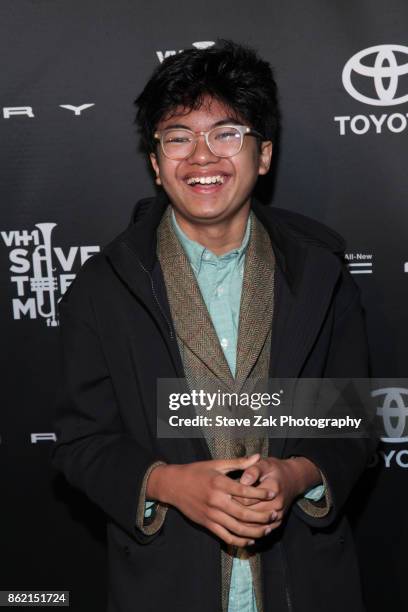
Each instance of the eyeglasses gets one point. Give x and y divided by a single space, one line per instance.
223 141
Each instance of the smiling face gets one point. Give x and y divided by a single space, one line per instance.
205 189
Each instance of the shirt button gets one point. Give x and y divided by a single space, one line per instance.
220 290
224 343
207 256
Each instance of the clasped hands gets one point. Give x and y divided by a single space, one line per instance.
237 511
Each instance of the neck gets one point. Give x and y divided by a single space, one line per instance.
220 236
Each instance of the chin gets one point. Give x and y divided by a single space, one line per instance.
197 207
205 213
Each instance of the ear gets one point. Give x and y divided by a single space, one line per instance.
156 168
265 157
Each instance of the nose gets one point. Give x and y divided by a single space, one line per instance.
202 154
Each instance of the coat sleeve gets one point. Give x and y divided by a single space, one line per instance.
157 514
340 460
93 450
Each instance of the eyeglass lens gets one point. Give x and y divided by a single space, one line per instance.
224 142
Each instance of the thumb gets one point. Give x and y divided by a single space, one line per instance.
240 463
250 475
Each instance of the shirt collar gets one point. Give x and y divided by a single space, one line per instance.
197 253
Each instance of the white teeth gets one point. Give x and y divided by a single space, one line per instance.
205 180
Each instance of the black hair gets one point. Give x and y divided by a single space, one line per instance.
233 74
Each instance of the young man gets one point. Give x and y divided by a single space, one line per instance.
207 282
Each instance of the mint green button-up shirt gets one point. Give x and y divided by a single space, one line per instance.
219 278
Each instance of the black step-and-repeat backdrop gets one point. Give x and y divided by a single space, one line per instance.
71 172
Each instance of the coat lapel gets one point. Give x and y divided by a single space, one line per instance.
194 325
256 309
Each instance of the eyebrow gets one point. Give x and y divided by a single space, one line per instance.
182 126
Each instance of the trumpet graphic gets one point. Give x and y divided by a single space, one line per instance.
43 283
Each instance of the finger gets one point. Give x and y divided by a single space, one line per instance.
230 538
245 502
251 475
239 528
264 508
245 514
275 508
277 523
267 475
237 489
269 482
240 463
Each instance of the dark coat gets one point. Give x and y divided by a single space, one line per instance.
118 338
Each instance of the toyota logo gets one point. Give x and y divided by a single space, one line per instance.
380 64
393 412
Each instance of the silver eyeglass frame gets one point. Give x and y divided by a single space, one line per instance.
244 130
